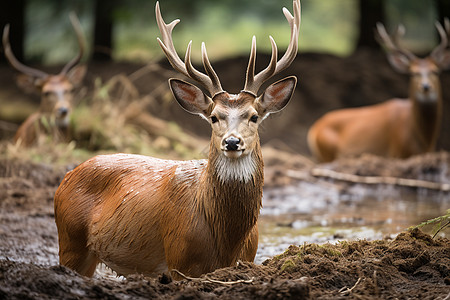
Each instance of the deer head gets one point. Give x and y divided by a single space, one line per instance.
425 86
56 90
234 118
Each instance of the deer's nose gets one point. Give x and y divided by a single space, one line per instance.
63 111
426 87
232 143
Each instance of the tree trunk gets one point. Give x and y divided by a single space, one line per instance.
443 9
103 26
370 12
13 13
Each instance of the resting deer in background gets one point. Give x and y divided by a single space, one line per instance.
397 128
56 91
139 214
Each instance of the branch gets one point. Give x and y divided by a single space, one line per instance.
316 172
210 280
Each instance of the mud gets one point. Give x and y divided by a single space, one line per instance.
410 266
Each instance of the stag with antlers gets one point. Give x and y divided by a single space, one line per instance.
56 92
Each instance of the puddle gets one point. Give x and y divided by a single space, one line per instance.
321 212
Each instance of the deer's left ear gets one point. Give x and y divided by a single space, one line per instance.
77 74
276 96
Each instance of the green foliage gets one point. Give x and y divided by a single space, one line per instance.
437 224
225 26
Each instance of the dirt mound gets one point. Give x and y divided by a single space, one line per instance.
413 266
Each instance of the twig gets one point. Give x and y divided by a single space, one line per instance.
345 290
380 180
230 282
434 235
186 277
210 280
375 283
447 298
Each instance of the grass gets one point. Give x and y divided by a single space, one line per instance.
108 121
434 225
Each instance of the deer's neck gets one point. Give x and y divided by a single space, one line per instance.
232 196
427 115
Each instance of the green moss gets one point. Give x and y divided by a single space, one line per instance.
288 266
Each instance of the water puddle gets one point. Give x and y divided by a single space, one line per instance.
323 212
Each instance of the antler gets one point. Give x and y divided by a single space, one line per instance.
210 81
393 44
13 60
81 43
439 51
38 73
253 82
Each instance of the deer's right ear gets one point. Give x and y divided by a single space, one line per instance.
399 61
190 97
76 75
29 84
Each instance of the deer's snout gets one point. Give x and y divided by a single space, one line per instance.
232 143
62 112
426 87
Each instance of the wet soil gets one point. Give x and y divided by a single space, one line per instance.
410 266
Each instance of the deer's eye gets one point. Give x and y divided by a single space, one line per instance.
214 119
69 91
254 118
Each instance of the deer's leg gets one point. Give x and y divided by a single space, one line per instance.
74 253
248 252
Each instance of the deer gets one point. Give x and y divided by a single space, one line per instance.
141 214
56 93
397 128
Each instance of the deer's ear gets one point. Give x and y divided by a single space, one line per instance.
29 84
77 74
190 97
276 96
399 61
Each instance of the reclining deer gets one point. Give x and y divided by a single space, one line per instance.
140 214
397 128
56 91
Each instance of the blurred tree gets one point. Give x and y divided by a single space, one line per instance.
103 26
370 12
443 8
13 13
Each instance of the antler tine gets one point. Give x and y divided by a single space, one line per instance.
383 38
210 81
438 52
392 44
398 35
253 82
447 25
13 60
81 43
291 52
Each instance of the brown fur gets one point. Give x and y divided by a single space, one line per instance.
57 92
397 128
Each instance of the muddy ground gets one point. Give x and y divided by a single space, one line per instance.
411 265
